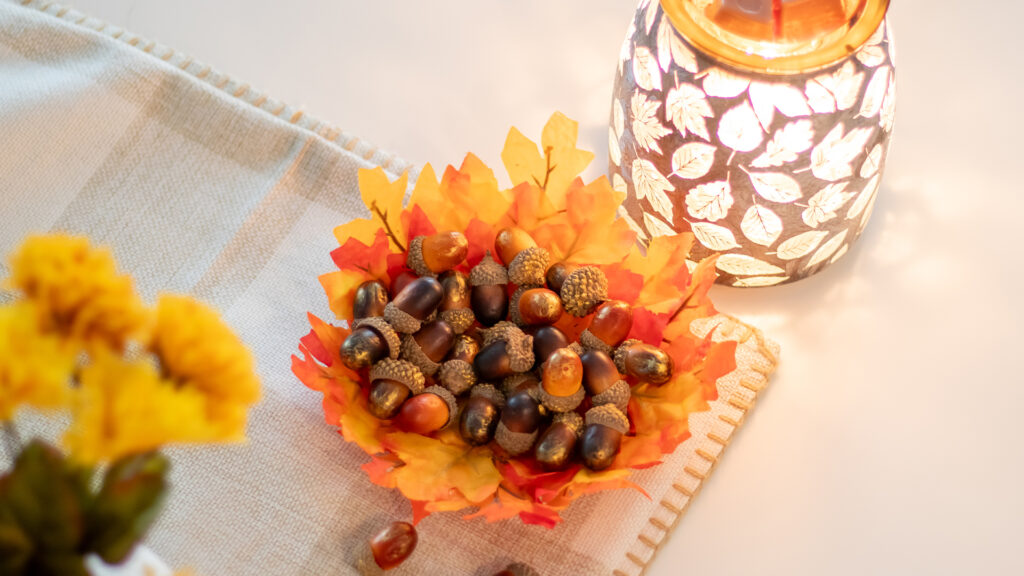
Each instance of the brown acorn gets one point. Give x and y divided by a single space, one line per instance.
493 361
480 415
520 421
539 306
610 326
489 296
414 304
391 382
546 340
519 347
599 371
428 346
583 290
430 255
370 299
392 546
556 447
557 274
401 280
455 305
644 362
371 340
602 436
527 262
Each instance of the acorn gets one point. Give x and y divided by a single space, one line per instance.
401 280
518 347
388 548
457 373
556 446
520 422
538 306
603 381
488 296
583 290
370 299
557 273
455 305
371 340
391 382
480 414
432 255
428 411
644 362
513 305
561 384
602 437
465 348
428 346
524 381
609 327
546 340
414 304
527 262
518 569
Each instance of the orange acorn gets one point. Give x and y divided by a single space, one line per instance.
431 255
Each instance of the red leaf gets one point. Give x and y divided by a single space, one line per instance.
623 284
647 326
312 343
417 223
546 518
419 511
481 239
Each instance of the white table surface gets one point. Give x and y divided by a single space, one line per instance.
888 442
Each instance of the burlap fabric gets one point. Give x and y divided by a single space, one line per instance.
201 184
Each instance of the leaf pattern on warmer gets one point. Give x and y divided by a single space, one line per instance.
872 54
650 14
759 281
800 245
827 249
719 83
693 160
839 90
786 145
618 118
761 226
742 265
823 205
710 201
714 237
831 159
656 227
614 151
872 162
888 114
864 198
842 252
871 105
645 69
619 184
776 186
739 128
688 109
767 97
652 185
640 233
647 129
671 48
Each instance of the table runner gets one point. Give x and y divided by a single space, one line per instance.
202 184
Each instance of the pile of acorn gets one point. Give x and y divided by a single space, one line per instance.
441 348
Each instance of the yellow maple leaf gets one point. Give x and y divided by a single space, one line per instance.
384 200
555 165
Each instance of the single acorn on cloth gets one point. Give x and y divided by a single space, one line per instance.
609 327
455 305
428 346
527 263
388 549
557 444
520 422
480 414
414 304
372 339
432 255
391 382
428 411
602 437
561 383
489 296
370 299
644 362
583 290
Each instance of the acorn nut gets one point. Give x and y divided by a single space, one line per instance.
599 371
539 306
527 262
430 255
455 305
493 361
488 296
561 388
370 299
414 304
427 412
610 326
372 339
390 547
546 340
602 436
520 421
401 280
644 362
556 446
428 346
479 420
557 274
583 290
391 382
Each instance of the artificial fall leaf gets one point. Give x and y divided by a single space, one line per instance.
340 287
551 168
371 259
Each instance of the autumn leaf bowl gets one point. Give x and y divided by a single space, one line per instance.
576 223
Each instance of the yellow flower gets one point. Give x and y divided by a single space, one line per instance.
78 291
34 366
124 407
198 351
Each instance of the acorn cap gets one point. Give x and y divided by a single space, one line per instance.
490 392
571 419
518 344
617 395
460 319
520 569
620 354
591 342
509 384
400 320
583 290
415 258
577 348
449 399
412 352
608 415
488 272
400 371
515 443
384 329
560 403
529 266
457 376
503 331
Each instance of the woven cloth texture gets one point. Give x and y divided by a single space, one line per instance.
203 185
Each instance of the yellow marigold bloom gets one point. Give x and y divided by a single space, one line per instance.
124 407
78 291
34 367
198 351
